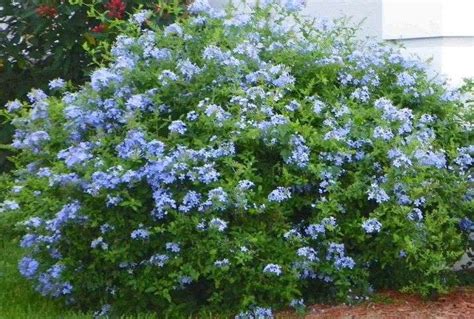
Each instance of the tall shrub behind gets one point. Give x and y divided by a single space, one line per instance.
41 40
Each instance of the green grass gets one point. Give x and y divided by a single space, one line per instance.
17 297
18 300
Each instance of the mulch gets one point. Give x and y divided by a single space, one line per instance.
393 305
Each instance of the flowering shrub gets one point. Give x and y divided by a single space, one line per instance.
255 159
45 39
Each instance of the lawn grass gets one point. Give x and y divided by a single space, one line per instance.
17 298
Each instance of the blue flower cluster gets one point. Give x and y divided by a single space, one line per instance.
372 226
201 152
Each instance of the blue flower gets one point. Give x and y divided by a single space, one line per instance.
178 127
430 158
185 280
256 313
294 5
141 16
133 145
188 69
99 242
199 6
29 240
190 200
285 79
378 194
167 76
309 253
192 116
28 267
335 250
279 194
174 29
406 79
13 106
140 234
337 133
329 222
318 105
32 141
300 154
113 201
222 263
158 260
39 110
36 95
371 226
464 158
105 228
9 205
218 198
273 269
103 78
361 94
75 155
467 225
173 247
382 133
68 213
239 19
154 149
314 230
344 262
293 106
244 185
213 53
207 173
218 224
398 158
416 215
138 102
163 202
49 283
159 54
103 312
57 84
297 303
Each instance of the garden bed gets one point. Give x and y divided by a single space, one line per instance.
391 304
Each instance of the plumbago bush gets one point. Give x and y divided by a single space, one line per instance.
251 158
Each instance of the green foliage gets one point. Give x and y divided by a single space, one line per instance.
245 160
47 39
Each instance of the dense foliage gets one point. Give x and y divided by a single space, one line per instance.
41 40
254 159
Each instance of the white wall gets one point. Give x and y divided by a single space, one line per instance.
367 12
439 29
